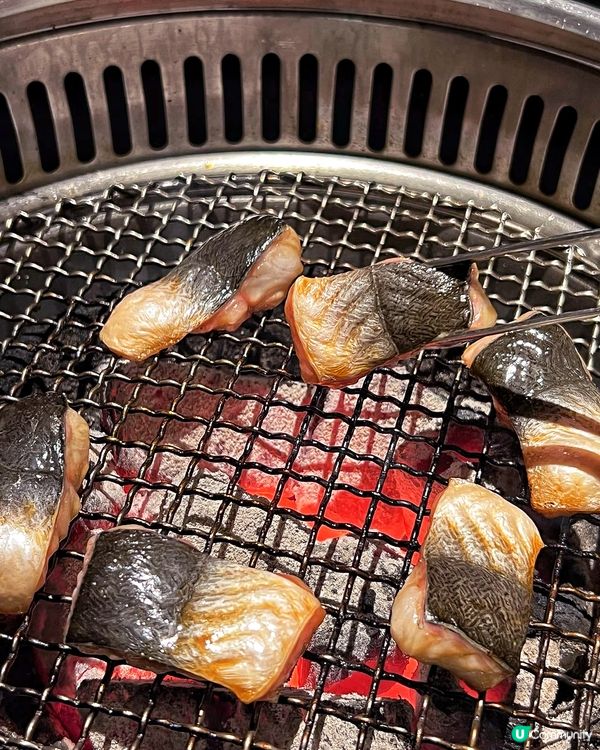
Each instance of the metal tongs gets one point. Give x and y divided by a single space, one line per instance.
469 335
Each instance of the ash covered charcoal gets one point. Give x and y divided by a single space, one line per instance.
525 679
276 725
106 496
157 415
242 517
251 517
171 703
224 445
585 533
375 420
584 572
450 715
109 496
572 614
564 654
352 642
331 732
282 726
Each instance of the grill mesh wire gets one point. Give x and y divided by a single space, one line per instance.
62 269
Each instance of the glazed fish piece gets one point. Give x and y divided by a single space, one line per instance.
241 270
163 605
45 455
346 325
541 386
466 605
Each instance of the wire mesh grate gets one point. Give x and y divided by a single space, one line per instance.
218 440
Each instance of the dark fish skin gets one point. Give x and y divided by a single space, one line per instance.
212 272
539 374
469 598
123 565
418 303
32 460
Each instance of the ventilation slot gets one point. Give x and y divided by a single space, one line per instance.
557 148
80 117
195 100
43 125
525 140
271 97
154 97
588 174
116 103
342 103
418 103
308 94
231 72
490 127
453 119
9 145
381 93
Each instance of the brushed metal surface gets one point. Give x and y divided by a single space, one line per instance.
170 39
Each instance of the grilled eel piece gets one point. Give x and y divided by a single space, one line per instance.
346 325
466 604
243 269
44 460
542 388
163 605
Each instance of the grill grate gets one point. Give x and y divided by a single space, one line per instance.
347 476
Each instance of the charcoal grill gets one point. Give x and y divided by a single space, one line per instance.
383 130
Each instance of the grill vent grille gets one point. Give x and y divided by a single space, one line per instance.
9 147
271 97
80 115
342 106
116 102
557 148
490 128
417 112
232 98
453 119
366 88
383 77
43 124
590 166
155 104
195 100
308 100
525 141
